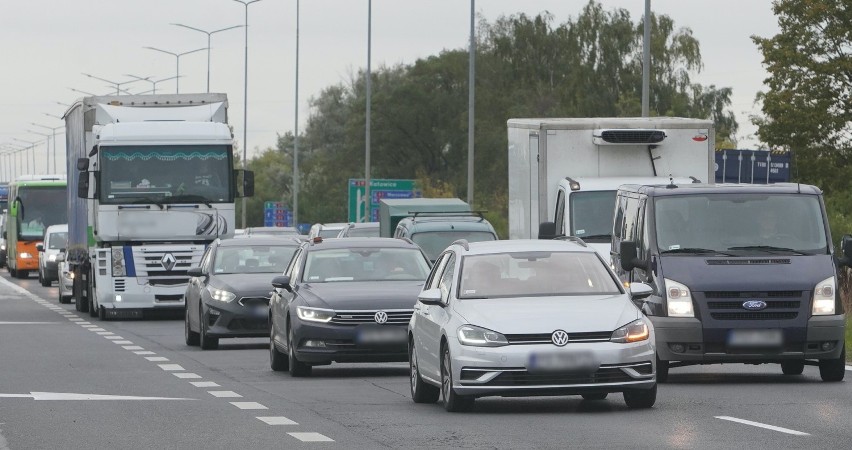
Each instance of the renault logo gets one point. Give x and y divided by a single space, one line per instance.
559 338
381 317
168 262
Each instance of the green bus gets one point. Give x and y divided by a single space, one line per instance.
35 203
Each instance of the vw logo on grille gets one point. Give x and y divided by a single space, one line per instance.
381 317
559 338
168 262
754 305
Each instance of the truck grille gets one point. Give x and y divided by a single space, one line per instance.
153 265
545 338
395 317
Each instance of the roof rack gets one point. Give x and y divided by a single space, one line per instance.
463 243
573 239
417 214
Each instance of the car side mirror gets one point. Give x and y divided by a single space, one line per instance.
40 247
195 272
282 282
628 251
431 297
547 230
846 250
639 291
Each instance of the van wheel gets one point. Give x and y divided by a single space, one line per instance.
833 369
792 367
662 371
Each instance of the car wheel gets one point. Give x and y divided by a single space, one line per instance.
205 341
452 401
792 367
23 274
191 337
641 398
277 361
833 369
296 367
662 371
595 396
41 279
421 392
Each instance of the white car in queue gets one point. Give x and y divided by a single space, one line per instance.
526 318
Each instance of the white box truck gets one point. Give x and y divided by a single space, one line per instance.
151 181
564 173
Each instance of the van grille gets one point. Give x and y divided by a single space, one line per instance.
754 315
769 305
753 294
746 262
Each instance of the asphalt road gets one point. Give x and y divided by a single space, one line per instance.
174 396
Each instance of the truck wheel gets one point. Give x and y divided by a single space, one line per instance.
792 367
641 398
93 310
833 369
662 371
102 313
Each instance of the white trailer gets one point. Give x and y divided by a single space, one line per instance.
151 182
564 173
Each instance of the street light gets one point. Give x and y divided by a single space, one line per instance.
367 201
30 147
245 100
53 130
177 59
470 105
114 83
17 164
83 92
46 150
153 89
296 134
208 33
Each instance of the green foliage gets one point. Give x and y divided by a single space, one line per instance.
588 66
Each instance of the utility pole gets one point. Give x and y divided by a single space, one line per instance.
646 61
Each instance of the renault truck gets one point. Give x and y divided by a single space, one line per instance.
151 183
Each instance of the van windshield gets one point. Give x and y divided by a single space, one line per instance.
741 224
591 215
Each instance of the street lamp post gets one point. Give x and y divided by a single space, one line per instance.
53 130
46 150
31 147
177 65
470 105
245 3
296 134
367 201
153 89
116 84
209 34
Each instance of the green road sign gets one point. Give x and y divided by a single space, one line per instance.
379 189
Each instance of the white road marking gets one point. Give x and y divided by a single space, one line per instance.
849 368
4 445
156 358
171 367
763 425
277 420
89 326
248 405
123 342
204 383
28 323
105 333
39 396
132 347
113 337
186 376
145 352
96 329
75 319
311 437
224 394
83 323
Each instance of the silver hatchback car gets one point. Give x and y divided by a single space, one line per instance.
529 317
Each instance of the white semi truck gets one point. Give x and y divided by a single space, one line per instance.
564 173
151 181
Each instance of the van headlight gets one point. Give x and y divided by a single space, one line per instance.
314 314
824 301
480 337
220 294
632 332
678 299
118 269
25 255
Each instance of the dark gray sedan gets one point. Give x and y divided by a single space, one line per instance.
228 296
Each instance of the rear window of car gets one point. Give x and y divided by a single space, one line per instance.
535 274
253 259
365 264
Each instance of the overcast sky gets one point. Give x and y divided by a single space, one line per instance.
46 44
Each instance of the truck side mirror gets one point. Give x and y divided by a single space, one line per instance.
244 179
82 164
628 251
547 230
83 184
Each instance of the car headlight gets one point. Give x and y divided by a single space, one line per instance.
25 255
632 332
220 294
480 337
678 299
2 246
824 301
51 258
314 314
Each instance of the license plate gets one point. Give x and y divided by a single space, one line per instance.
381 335
575 362
768 338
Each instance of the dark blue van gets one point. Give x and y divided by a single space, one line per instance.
741 274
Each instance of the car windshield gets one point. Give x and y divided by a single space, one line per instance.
57 240
435 242
253 259
365 264
363 232
591 215
535 274
166 174
740 224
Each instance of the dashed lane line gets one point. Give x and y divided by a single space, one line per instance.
277 420
105 333
186 375
224 394
763 425
156 358
132 347
204 384
123 342
114 337
170 367
145 352
96 329
248 405
311 437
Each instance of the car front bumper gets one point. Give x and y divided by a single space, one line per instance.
502 371
342 343
231 320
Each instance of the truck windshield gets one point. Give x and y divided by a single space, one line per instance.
166 174
39 208
591 215
747 224
434 242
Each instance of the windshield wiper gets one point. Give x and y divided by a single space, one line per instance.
769 249
192 198
150 200
595 236
694 250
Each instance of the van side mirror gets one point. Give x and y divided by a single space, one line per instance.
82 164
639 291
547 230
845 250
282 282
628 251
40 247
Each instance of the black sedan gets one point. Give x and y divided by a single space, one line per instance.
345 300
228 296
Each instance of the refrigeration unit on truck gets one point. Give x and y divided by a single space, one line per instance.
564 173
151 183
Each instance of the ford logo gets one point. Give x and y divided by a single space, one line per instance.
754 305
